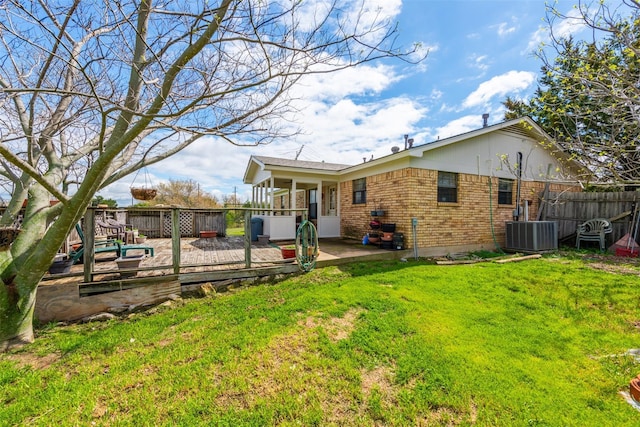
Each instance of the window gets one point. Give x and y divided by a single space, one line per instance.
313 204
505 191
332 198
447 187
359 191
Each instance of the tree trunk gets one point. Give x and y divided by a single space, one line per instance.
17 303
23 266
16 327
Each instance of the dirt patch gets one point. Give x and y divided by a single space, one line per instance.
605 262
337 328
615 268
444 416
34 361
380 378
283 368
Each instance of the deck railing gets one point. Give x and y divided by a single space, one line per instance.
175 223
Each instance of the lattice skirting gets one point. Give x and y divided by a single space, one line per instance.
186 224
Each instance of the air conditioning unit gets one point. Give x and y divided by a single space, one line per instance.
532 236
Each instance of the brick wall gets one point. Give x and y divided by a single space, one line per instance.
412 193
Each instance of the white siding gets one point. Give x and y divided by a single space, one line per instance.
482 156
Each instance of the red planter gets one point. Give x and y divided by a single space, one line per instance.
387 236
288 253
206 234
634 389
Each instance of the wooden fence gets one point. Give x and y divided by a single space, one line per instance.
570 209
157 222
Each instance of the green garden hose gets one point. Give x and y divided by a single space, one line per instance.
307 246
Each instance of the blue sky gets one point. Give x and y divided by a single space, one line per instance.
480 52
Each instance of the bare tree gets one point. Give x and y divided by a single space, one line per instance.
184 193
95 90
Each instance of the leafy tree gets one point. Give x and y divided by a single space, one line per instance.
588 96
184 193
234 217
99 200
93 91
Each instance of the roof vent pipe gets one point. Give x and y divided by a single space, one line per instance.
408 142
485 118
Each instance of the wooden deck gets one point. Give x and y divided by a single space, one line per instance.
215 260
217 254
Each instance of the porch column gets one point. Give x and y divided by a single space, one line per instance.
261 196
265 189
294 183
257 204
265 196
271 192
319 207
256 190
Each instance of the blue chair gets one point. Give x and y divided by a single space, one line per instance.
109 245
148 250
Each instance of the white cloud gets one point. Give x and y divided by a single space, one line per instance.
361 80
458 126
504 29
512 81
436 94
479 62
345 131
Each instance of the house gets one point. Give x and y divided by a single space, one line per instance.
459 191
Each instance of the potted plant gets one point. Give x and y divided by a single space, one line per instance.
288 251
143 194
141 238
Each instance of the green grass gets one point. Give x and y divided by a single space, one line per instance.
235 231
540 342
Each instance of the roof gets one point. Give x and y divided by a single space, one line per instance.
304 164
275 163
524 126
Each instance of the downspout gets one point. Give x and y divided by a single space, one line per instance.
516 212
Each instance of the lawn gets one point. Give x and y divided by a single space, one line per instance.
540 342
235 231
